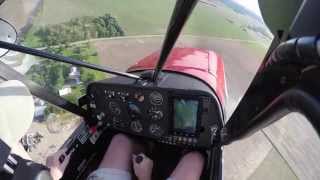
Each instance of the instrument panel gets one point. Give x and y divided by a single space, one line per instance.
171 116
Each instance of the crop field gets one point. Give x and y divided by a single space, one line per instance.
146 17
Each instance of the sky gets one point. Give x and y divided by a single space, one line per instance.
250 4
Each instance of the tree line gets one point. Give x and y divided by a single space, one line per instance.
78 29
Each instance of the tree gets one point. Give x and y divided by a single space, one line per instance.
78 29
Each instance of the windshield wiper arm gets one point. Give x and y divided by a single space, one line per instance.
179 17
64 59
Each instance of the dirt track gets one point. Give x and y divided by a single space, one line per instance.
252 158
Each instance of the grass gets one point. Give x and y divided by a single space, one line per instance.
135 16
257 48
273 167
211 22
30 39
143 17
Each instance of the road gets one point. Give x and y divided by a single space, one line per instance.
286 150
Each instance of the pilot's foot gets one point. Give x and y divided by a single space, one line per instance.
190 167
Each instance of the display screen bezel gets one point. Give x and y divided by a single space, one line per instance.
198 123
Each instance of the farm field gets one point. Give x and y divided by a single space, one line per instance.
147 17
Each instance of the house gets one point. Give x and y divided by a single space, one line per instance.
39 109
74 76
65 90
73 80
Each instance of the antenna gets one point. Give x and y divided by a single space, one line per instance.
180 15
64 59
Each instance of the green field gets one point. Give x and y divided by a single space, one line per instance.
146 17
257 48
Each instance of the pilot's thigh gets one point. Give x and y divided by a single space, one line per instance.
109 174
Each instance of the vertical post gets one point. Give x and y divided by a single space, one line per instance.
180 15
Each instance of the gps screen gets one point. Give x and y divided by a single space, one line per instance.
185 115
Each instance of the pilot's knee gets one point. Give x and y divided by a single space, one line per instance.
194 157
121 139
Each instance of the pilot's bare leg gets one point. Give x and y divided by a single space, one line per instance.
119 153
189 168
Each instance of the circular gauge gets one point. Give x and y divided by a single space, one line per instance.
155 114
156 98
155 130
136 126
134 110
114 108
139 97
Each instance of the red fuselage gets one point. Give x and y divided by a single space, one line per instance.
202 64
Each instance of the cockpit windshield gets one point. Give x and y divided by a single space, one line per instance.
118 34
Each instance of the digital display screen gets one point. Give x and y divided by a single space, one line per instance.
185 115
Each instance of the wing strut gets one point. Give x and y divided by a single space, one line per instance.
60 58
